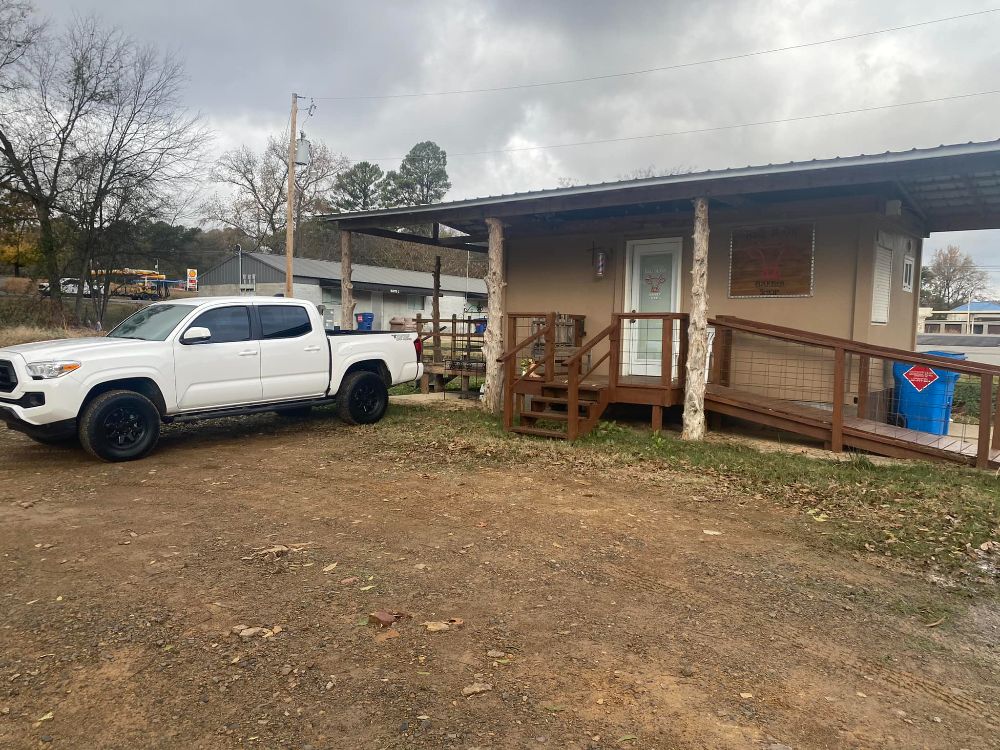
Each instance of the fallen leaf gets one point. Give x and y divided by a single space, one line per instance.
386 635
495 654
711 532
746 696
368 588
330 567
628 738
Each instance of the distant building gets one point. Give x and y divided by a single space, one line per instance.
970 319
386 292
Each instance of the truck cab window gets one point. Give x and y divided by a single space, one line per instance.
283 321
226 323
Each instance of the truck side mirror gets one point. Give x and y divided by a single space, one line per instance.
196 335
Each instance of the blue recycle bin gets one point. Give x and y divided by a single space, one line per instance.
365 321
923 402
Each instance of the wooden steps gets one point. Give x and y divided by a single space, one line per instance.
552 406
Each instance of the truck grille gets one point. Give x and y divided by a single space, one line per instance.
8 378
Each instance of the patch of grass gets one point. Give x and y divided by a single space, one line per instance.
26 334
932 513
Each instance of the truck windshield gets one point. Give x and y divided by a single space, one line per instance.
153 323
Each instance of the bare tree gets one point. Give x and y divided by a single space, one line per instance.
98 136
18 33
256 185
952 279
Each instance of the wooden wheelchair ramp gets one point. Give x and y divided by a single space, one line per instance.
885 401
863 434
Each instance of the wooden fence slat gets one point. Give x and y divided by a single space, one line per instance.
837 427
985 407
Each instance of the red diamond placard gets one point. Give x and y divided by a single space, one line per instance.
920 376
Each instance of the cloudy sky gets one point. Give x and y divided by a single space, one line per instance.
245 57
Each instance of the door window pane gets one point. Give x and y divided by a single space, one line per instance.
656 286
284 321
226 323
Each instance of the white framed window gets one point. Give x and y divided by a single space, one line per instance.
881 285
414 302
909 266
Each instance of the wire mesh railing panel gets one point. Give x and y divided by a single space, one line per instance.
788 371
651 351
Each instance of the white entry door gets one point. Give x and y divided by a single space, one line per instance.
652 285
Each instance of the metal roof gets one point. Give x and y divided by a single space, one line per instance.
977 307
949 186
374 276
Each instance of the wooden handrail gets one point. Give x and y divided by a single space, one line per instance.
578 357
854 347
511 353
595 365
649 316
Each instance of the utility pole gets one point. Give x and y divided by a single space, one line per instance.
290 209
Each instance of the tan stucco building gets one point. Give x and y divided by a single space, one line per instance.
813 276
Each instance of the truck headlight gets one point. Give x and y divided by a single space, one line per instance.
47 370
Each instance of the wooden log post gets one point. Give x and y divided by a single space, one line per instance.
697 339
493 339
436 309
346 285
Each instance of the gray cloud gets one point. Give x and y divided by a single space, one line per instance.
244 59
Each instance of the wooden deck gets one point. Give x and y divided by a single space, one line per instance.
864 434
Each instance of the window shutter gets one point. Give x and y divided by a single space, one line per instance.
882 284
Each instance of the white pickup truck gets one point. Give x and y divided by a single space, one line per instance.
196 359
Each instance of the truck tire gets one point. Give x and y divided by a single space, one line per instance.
119 426
363 398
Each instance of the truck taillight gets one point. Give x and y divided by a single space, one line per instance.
418 347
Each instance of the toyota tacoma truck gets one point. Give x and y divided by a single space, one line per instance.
196 359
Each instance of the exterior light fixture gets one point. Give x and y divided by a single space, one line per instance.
600 258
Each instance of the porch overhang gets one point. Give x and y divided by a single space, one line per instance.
946 188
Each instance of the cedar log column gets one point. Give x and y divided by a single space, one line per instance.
493 338
697 353
346 286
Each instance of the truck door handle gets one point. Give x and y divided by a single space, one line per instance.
248 353
312 348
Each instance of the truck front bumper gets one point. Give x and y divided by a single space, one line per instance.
65 428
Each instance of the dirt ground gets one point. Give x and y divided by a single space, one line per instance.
604 609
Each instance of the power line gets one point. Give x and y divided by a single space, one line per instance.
646 71
710 129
